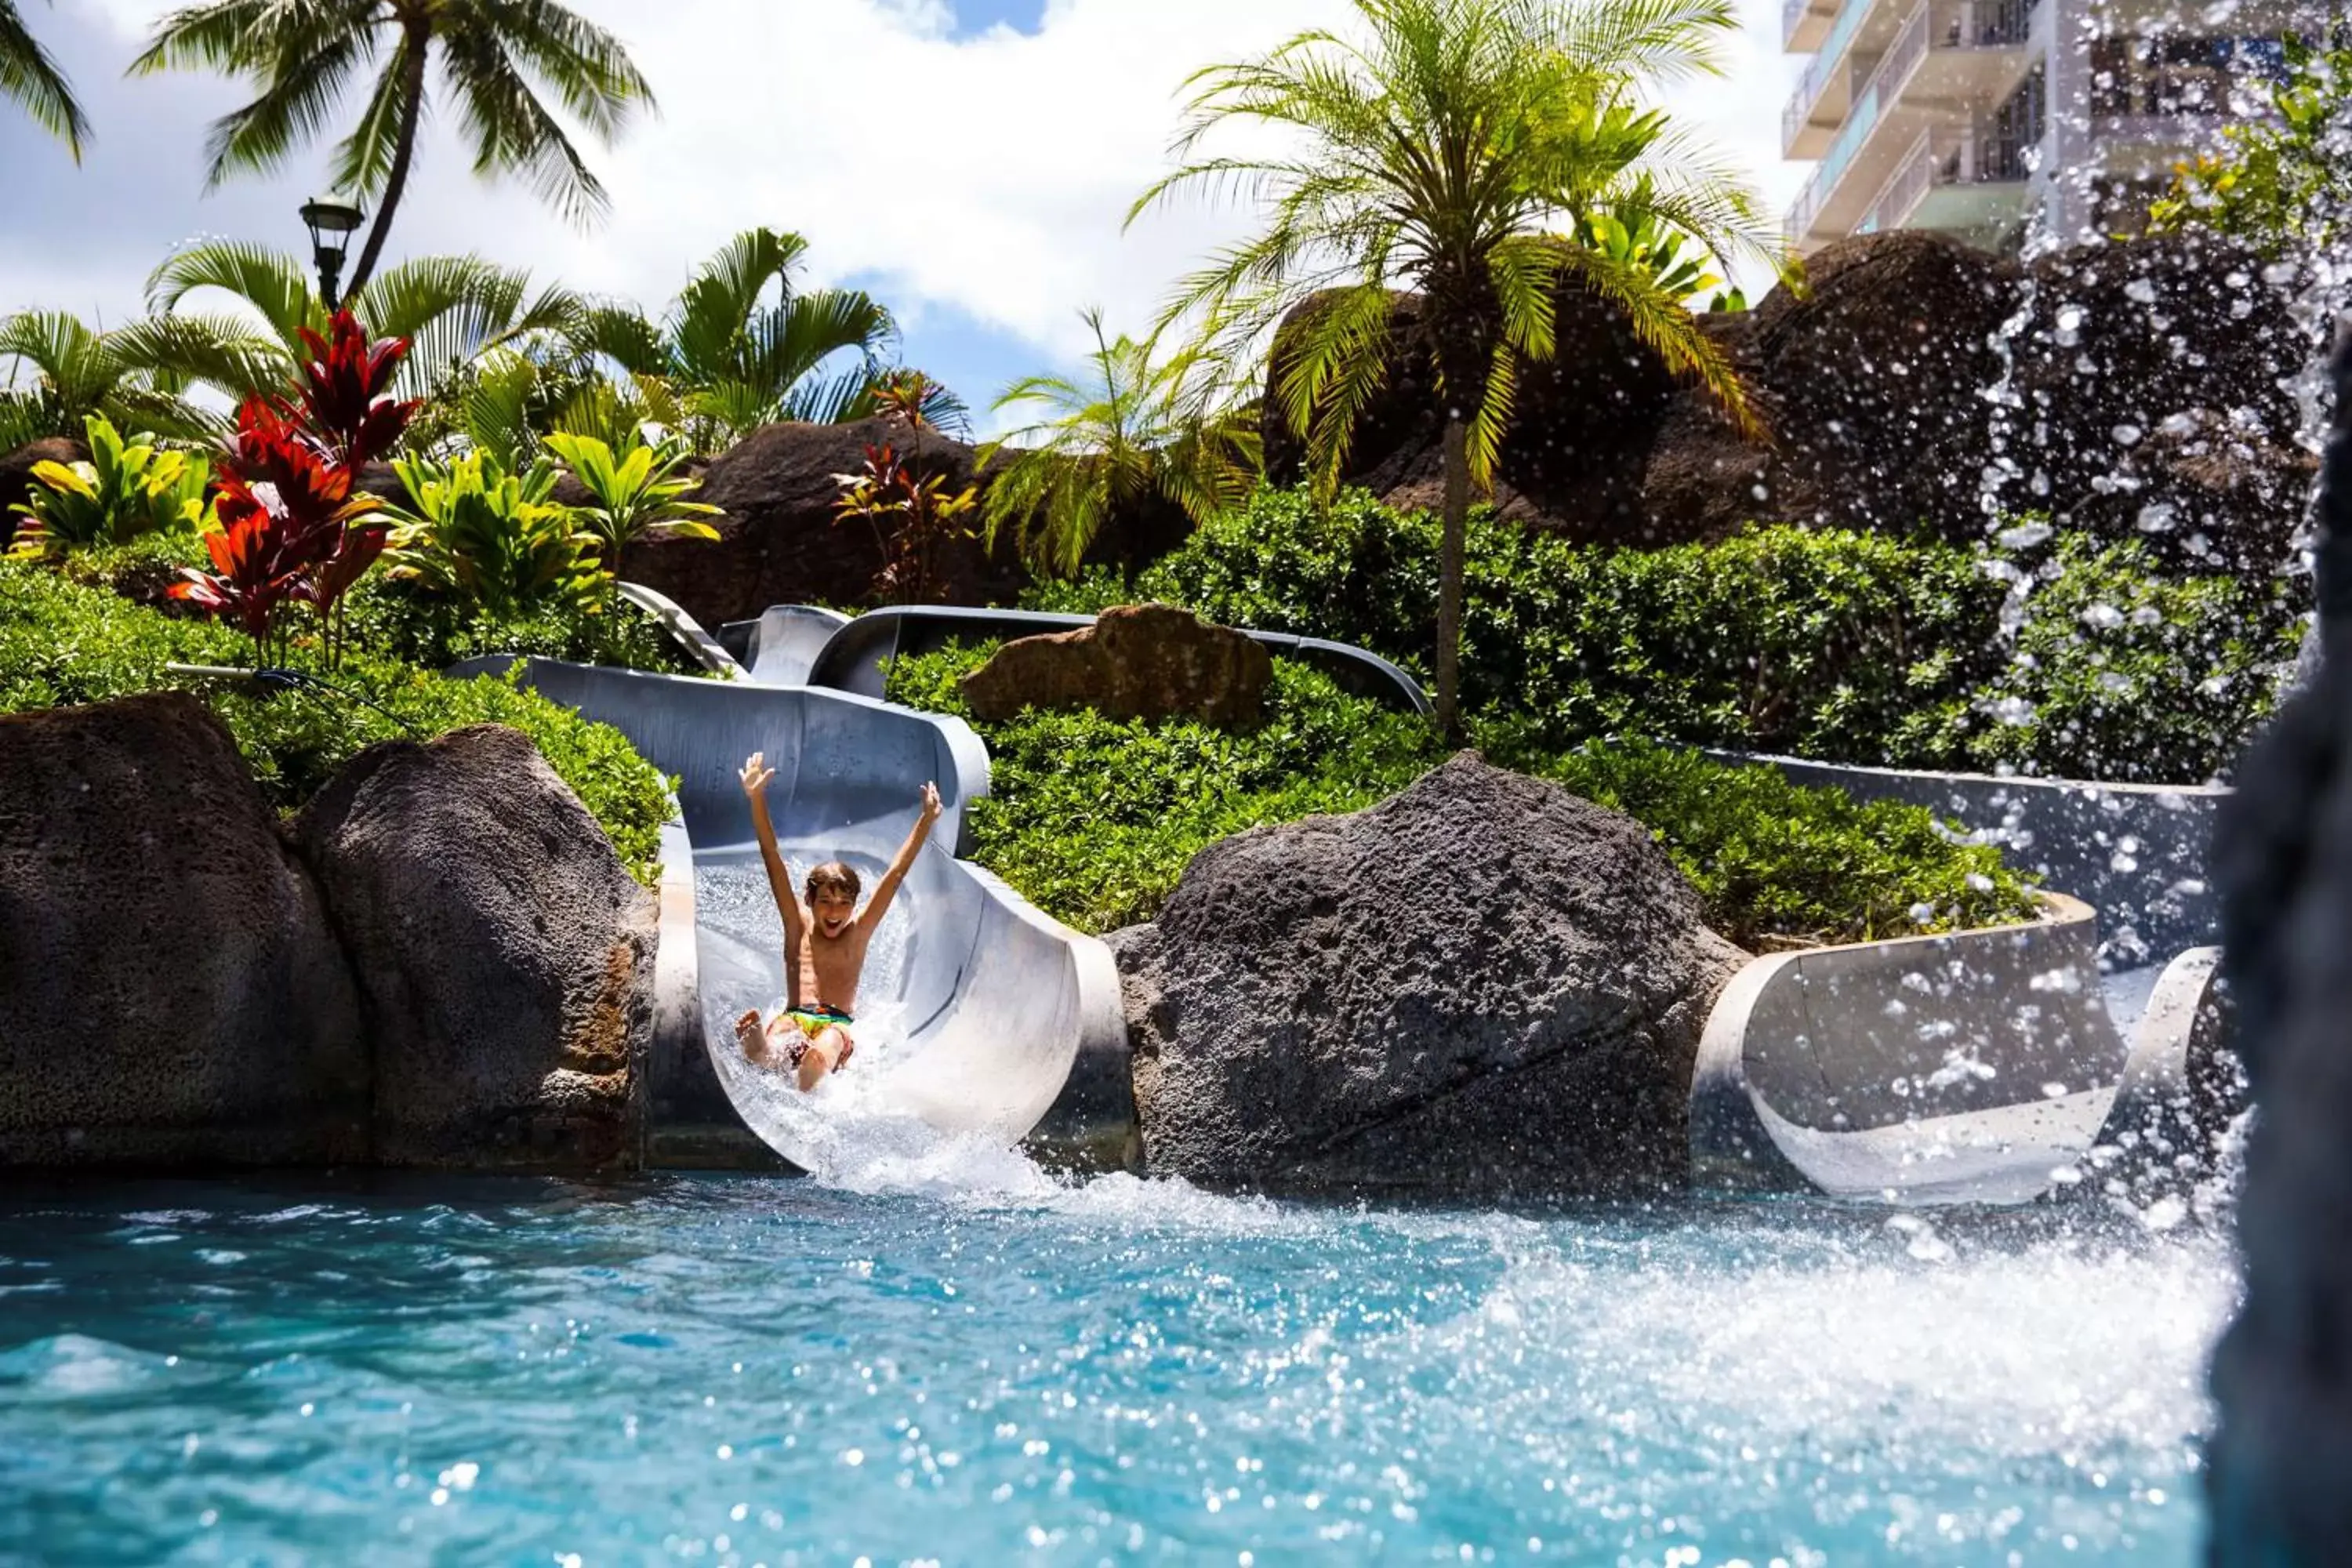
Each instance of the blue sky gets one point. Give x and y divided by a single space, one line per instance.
988 224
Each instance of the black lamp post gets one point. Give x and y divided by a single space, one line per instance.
331 223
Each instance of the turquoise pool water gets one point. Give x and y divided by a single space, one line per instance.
965 1362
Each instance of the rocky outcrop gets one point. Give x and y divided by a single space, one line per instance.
779 541
1484 987
1137 661
504 955
2131 389
171 992
2282 1376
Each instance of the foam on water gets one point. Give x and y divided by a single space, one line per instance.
943 1353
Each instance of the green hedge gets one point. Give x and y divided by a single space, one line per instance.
2060 659
1095 819
67 642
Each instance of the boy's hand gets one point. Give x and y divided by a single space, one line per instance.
757 774
930 803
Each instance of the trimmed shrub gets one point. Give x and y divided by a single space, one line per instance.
63 642
1095 820
1838 646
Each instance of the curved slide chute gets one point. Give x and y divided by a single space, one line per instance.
984 1012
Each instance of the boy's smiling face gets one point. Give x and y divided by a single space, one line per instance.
835 911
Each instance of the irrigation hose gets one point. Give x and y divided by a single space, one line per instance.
291 680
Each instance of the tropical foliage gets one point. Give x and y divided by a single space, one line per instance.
32 78
127 488
1139 426
632 498
2284 182
291 523
477 532
1096 818
726 358
500 61
1439 149
450 309
909 508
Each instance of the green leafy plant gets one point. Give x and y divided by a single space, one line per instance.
1095 819
1437 150
2068 659
2284 181
728 362
63 642
124 490
1139 427
489 538
638 498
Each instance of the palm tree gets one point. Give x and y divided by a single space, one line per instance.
452 309
497 58
1438 153
731 363
1135 427
29 75
61 371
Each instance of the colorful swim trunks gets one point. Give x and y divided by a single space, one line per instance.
815 1021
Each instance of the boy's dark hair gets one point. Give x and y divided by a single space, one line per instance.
832 876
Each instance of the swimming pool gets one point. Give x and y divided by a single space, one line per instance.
953 1359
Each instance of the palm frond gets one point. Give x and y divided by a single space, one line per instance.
29 75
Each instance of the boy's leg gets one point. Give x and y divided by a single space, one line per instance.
824 1055
752 1039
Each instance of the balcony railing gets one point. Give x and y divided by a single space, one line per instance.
1936 160
1947 26
1791 13
1822 68
1879 90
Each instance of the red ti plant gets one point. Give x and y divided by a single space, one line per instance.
294 526
911 515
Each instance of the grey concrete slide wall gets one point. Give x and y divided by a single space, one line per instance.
1979 1067
2137 853
1001 1002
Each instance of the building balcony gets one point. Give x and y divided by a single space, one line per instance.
1954 181
1804 23
1930 77
1946 49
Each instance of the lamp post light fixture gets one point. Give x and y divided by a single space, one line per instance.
331 222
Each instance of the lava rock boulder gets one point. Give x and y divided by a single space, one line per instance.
171 992
504 955
1152 662
1483 986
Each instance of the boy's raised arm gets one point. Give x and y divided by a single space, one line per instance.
888 888
756 776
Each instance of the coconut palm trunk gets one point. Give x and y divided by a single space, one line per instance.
414 37
1451 545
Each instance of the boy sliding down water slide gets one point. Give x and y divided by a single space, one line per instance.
824 944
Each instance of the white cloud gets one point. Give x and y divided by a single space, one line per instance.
987 174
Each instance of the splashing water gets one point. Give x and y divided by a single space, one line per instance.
947 1355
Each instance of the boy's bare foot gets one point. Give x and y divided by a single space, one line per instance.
750 1037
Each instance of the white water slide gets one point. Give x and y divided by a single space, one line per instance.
979 1014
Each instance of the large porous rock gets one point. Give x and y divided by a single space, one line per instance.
16 479
781 542
1137 661
2154 381
2281 1376
1873 379
1584 425
1484 986
504 953
170 993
